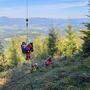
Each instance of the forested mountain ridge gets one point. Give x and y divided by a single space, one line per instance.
5 21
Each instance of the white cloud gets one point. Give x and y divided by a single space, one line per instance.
51 11
15 12
59 10
62 5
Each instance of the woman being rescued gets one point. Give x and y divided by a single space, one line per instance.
27 49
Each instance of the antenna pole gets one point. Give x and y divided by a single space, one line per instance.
27 21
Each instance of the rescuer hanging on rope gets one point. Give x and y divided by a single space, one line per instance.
27 49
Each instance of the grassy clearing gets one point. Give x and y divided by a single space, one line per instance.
61 76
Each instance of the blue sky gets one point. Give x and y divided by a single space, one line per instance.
44 8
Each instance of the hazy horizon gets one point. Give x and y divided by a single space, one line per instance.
42 17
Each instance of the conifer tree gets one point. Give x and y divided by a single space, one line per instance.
52 39
70 47
2 56
14 55
86 38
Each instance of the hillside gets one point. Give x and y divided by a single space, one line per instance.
20 22
10 27
63 75
66 65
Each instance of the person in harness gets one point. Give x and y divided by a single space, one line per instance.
48 62
27 49
23 47
34 67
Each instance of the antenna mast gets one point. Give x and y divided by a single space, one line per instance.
27 21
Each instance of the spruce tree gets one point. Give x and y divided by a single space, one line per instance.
14 55
52 39
70 47
1 48
2 56
86 44
86 38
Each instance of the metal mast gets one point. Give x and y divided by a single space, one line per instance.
27 22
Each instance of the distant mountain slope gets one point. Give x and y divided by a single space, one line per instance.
20 22
16 26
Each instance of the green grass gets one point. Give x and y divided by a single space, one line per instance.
61 76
